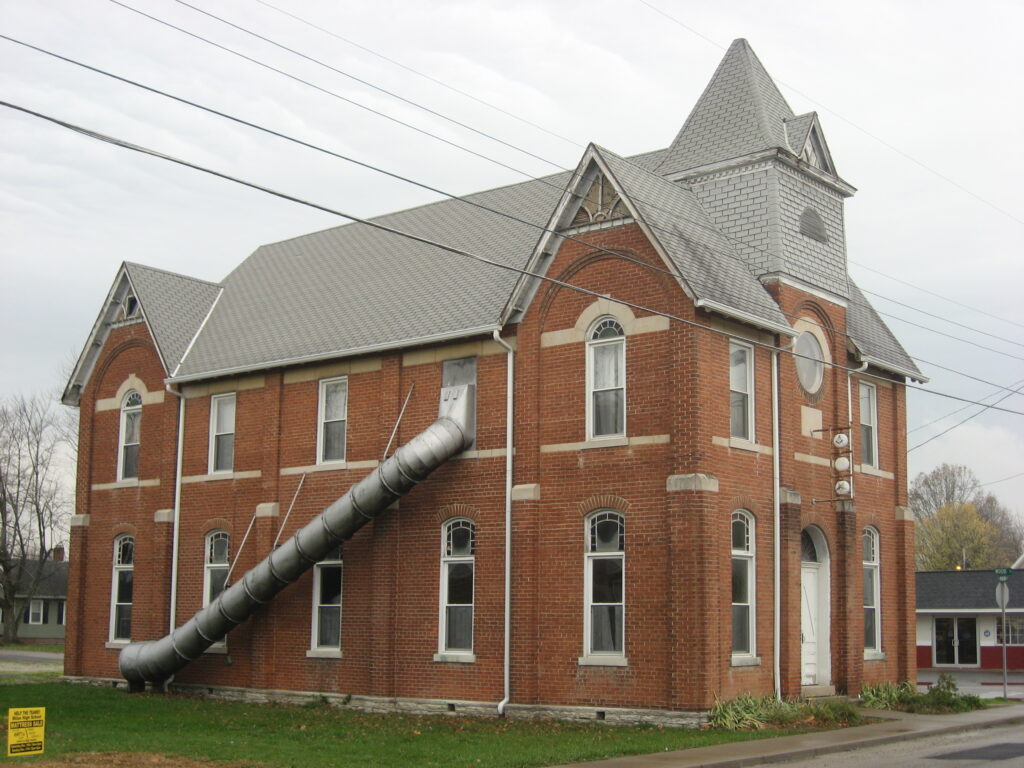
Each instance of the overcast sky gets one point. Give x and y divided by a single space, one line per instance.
920 104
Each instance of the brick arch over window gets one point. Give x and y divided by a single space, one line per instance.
123 529
663 280
451 511
828 529
744 502
216 524
110 358
603 501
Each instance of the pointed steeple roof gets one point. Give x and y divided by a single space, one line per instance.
740 112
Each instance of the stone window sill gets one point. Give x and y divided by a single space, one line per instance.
455 658
875 656
324 653
600 660
746 660
116 645
221 648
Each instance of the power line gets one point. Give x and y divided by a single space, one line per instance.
1003 480
961 422
466 254
418 73
512 168
849 122
937 295
944 319
1016 387
408 180
367 83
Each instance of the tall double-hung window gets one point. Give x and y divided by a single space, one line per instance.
743 573
606 379
128 444
872 593
868 424
333 420
604 587
327 602
741 391
121 588
458 564
215 567
222 433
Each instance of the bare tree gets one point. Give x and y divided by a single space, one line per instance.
34 498
950 488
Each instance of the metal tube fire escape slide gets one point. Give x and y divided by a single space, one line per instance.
450 435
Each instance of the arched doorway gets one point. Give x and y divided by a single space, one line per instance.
815 608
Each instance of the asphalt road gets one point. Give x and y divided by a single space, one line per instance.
989 747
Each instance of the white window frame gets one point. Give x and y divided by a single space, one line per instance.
444 653
748 554
119 565
216 402
332 560
590 556
750 436
320 420
592 344
62 613
871 554
807 358
872 424
210 566
35 617
122 445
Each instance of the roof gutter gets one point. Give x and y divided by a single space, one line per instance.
912 375
336 354
745 317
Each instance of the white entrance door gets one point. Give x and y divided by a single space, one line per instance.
809 623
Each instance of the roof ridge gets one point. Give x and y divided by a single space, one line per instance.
172 274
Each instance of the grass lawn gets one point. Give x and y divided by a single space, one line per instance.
31 647
91 719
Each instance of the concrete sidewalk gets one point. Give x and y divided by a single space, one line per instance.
898 726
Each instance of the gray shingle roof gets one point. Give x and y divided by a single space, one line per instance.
355 288
965 590
872 336
796 131
704 257
174 306
53 580
740 112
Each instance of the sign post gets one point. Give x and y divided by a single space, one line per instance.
1002 600
26 727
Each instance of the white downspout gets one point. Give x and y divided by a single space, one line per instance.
177 507
777 522
509 380
776 536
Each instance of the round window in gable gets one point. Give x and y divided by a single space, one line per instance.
812 225
810 366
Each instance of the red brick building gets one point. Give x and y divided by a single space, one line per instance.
687 358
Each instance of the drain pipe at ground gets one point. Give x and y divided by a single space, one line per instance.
509 380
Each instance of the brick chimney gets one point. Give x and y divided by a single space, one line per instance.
57 554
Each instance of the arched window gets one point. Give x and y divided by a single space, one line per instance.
458 560
812 225
810 366
872 593
743 580
121 589
604 597
215 570
606 379
327 602
128 444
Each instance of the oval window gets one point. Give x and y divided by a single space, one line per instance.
810 366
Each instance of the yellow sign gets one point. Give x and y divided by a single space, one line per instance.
26 729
